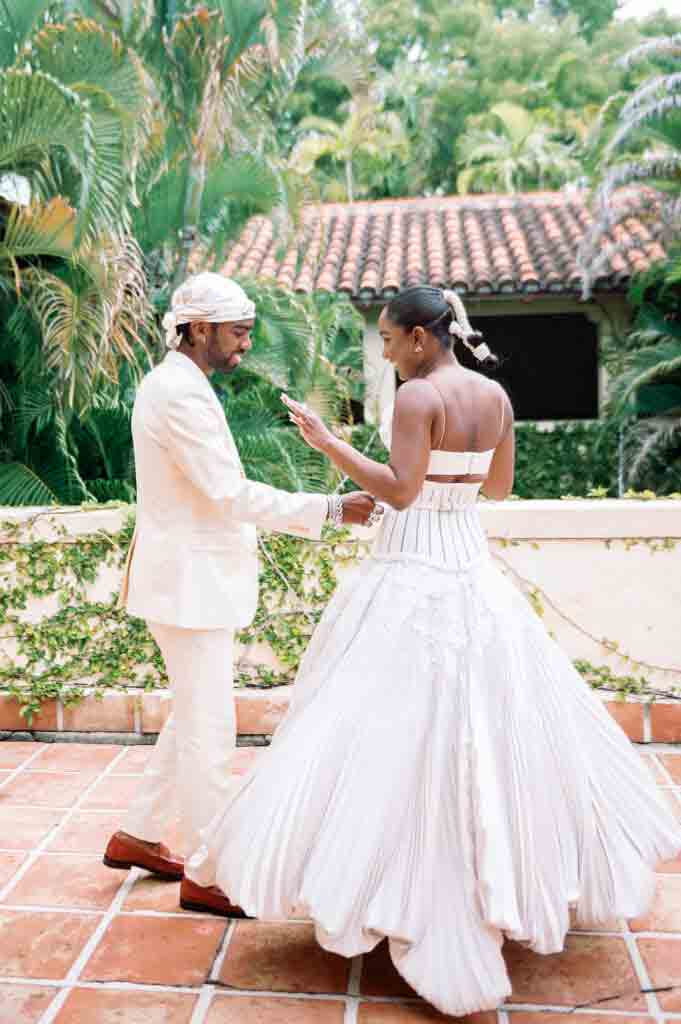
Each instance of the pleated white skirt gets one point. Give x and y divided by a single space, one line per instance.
444 777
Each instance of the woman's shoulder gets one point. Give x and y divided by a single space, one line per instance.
417 394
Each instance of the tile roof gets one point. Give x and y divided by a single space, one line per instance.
480 245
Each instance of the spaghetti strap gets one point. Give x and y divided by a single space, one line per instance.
444 415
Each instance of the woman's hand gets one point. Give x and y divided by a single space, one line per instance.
311 426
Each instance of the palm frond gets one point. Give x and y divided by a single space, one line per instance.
92 321
270 448
664 46
37 231
655 110
283 340
34 414
654 87
643 367
235 189
112 490
21 485
41 116
649 445
17 19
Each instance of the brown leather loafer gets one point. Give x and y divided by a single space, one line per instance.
207 899
124 851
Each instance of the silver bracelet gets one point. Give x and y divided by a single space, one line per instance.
335 509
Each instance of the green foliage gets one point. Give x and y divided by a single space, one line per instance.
592 15
91 646
508 150
297 580
86 643
113 134
83 641
645 393
572 459
638 147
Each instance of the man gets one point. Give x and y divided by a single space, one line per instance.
192 569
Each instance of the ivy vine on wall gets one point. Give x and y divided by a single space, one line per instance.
82 645
91 646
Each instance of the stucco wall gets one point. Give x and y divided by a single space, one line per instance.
601 570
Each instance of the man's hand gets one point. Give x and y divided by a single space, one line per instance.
359 506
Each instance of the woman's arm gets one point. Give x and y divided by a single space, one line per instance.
398 482
499 482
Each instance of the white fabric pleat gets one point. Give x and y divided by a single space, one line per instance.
444 777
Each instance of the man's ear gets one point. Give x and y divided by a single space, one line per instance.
198 332
419 336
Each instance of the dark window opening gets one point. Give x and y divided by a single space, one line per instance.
548 363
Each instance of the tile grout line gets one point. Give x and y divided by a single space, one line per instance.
647 723
642 974
351 1011
14 772
208 990
88 949
663 768
42 845
40 908
567 1011
353 993
221 955
137 715
355 978
202 1006
123 986
505 1011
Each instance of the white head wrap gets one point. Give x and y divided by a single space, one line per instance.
210 297
461 326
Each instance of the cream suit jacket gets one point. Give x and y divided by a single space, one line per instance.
193 558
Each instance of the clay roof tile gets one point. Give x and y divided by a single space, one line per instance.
476 244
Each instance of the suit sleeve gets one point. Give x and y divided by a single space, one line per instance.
198 445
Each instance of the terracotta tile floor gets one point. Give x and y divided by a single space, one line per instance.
81 944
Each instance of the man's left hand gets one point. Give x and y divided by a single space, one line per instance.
359 506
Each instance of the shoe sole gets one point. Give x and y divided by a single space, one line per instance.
125 865
201 908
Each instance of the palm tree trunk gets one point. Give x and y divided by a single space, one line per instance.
196 181
349 182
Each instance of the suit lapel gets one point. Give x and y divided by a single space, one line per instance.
191 368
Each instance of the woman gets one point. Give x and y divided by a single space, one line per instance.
444 777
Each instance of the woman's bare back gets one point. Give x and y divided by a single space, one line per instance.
474 415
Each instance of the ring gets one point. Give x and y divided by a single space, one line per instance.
375 515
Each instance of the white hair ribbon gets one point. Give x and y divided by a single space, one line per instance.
209 297
461 326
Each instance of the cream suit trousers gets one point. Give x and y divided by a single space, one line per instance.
190 764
